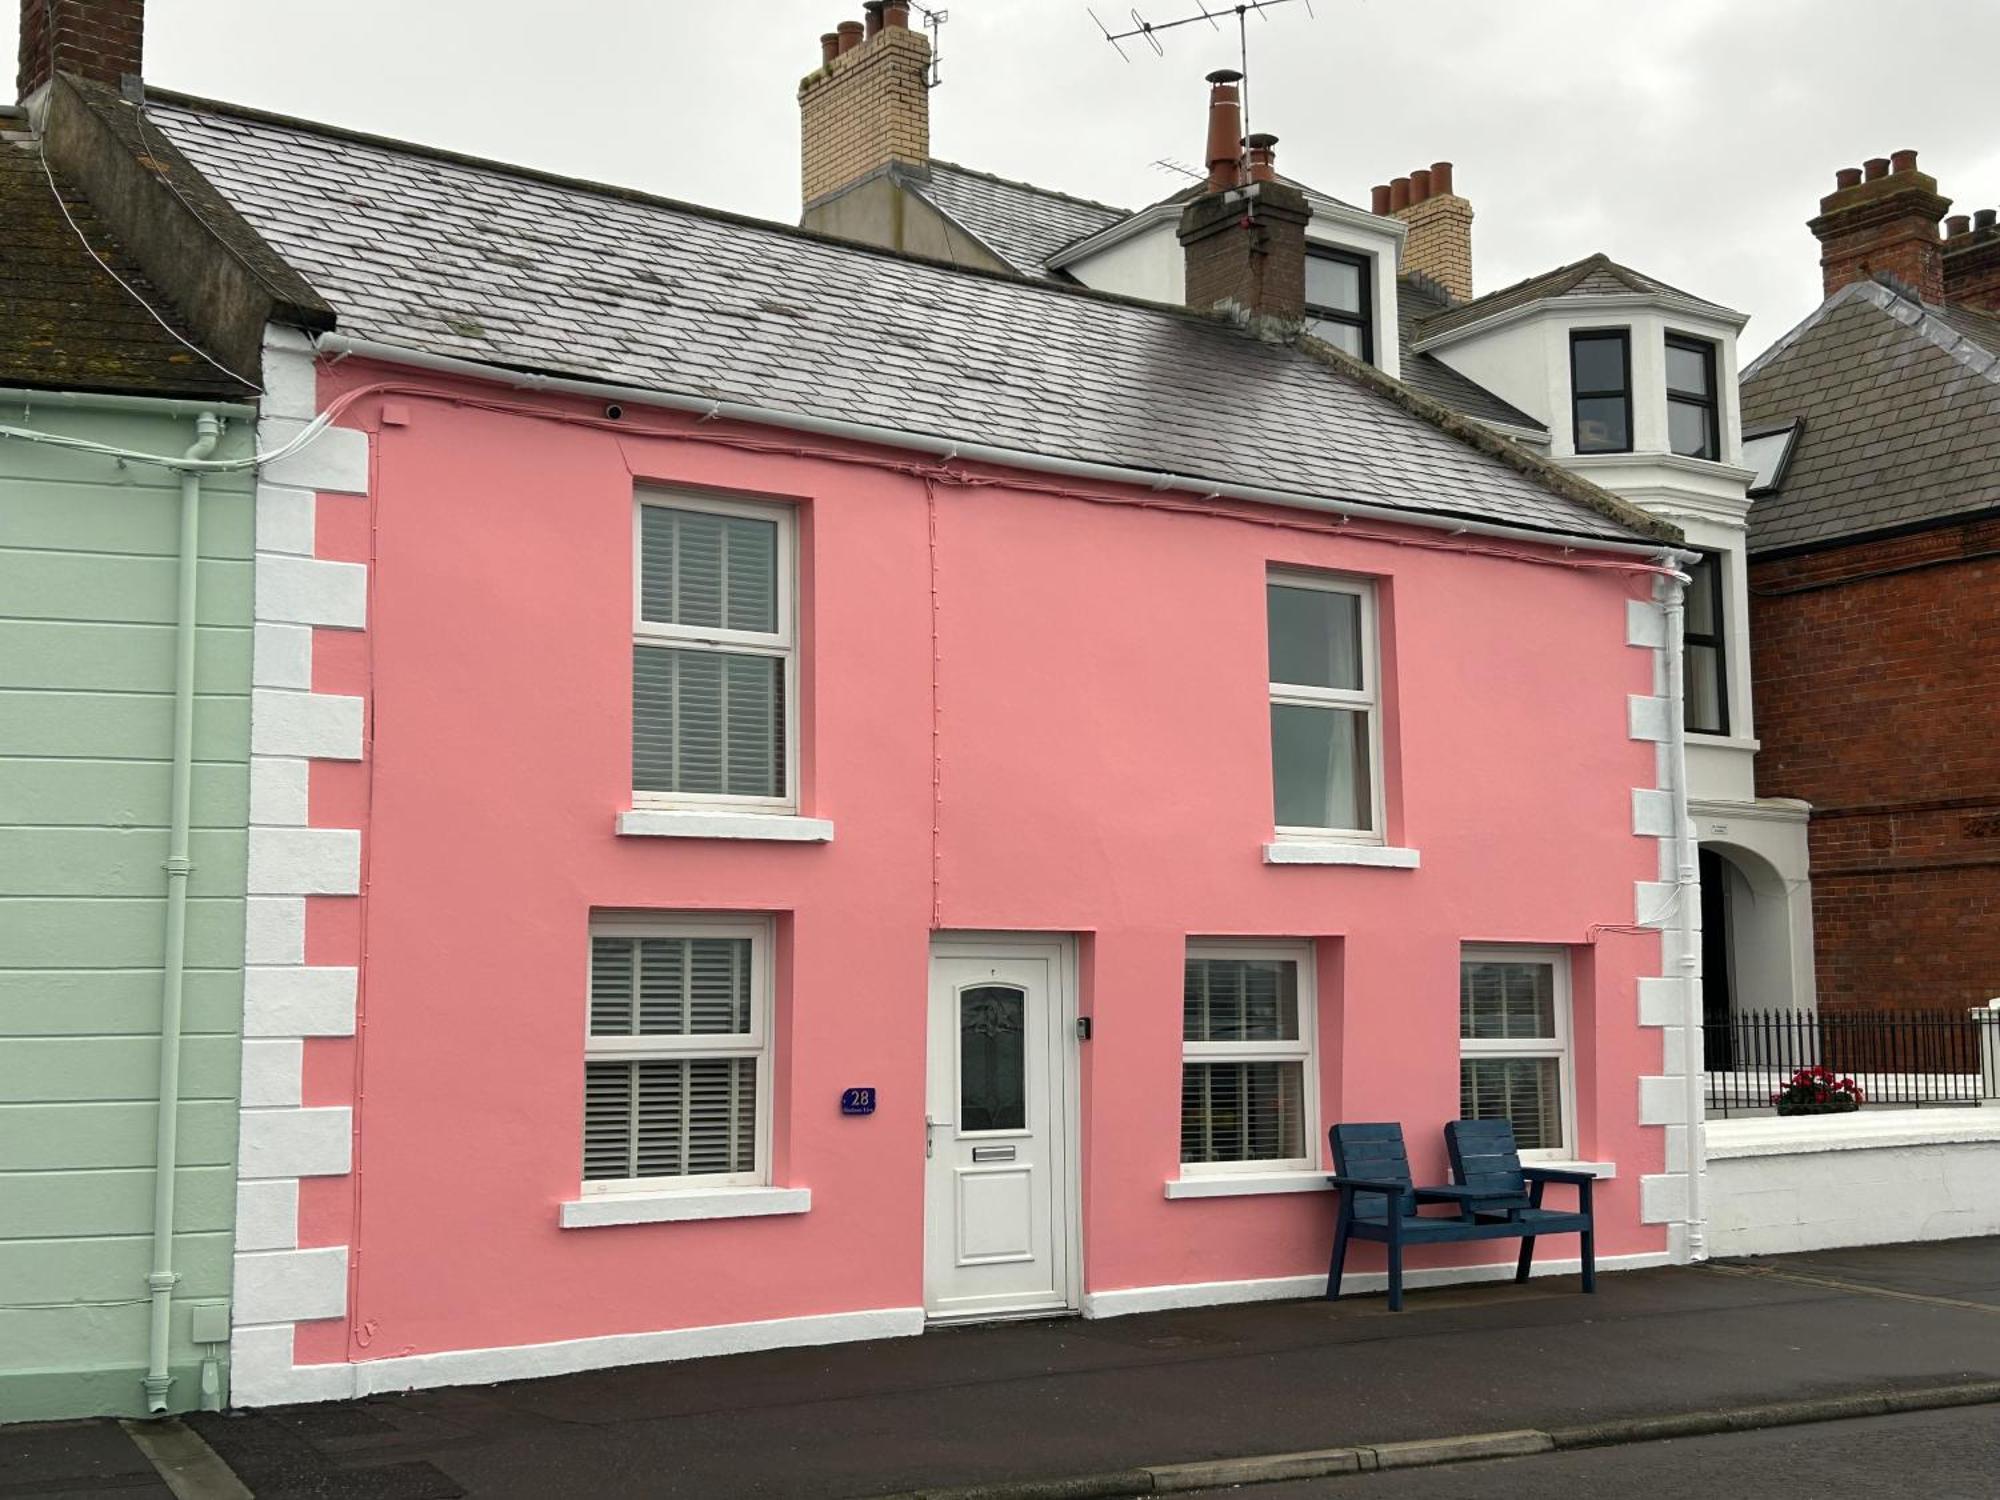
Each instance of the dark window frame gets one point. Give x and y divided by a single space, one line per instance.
1578 395
1365 319
1705 348
1714 636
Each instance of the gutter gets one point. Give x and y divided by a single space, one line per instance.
945 449
160 1281
164 406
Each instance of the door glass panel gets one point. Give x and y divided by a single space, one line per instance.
992 1058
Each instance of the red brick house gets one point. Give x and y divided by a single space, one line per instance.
1875 591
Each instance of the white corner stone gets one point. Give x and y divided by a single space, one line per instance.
1655 903
1663 1002
1673 1051
312 591
1677 1148
1663 1199
295 1143
274 930
291 377
1645 624
274 1286
273 1072
281 655
335 461
285 517
298 1001
1652 813
1662 1101
279 790
305 861
267 1215
320 726
1646 717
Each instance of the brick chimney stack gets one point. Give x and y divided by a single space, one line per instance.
1245 236
1882 219
1439 244
103 40
867 104
1972 261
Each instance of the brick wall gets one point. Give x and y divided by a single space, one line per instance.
97 39
1877 679
1440 242
864 109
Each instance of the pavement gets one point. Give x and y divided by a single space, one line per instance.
1019 1402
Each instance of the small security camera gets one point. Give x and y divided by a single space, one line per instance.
614 411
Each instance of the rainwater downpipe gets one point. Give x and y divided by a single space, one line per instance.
1687 889
160 1281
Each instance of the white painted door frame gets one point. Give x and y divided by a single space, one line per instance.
1065 1114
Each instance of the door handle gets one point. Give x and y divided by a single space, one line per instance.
930 1130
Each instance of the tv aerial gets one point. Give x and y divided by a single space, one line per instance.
1149 32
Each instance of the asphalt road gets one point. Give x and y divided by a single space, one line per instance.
1938 1455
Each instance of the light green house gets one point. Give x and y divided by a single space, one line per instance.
91 586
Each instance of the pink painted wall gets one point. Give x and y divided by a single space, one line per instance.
1104 771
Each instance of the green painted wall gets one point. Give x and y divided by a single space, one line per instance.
87 603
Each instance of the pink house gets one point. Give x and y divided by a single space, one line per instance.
802 793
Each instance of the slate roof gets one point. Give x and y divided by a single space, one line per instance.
521 270
1022 224
1595 276
1901 403
1416 301
64 323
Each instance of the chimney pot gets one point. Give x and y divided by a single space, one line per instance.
1263 157
1440 178
1420 185
871 15
1956 225
850 35
896 16
1845 178
1225 130
1903 161
1399 194
1378 201
829 46
1983 219
1875 168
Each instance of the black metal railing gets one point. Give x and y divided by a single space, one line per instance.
1899 1058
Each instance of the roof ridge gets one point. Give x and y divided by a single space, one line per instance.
1031 187
200 105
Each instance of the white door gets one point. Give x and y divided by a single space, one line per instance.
998 1216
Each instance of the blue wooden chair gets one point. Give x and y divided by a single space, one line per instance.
1483 1157
1379 1202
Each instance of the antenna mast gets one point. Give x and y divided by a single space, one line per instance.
934 19
1148 32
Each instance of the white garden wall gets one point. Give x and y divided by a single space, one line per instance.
1870 1178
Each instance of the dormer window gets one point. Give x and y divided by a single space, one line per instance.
1339 299
1693 430
1600 383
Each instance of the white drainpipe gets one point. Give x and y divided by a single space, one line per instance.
1687 893
160 1282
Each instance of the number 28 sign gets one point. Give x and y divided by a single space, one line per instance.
857 1101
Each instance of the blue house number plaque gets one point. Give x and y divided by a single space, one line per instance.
857 1101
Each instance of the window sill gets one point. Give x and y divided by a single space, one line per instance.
1603 1171
1246 1184
1328 852
776 828
679 1205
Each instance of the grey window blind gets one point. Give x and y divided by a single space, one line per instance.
1248 1108
1513 1005
1525 1091
708 719
670 1116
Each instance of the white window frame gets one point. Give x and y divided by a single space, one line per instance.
675 1048
1559 1047
781 643
1304 1051
1367 698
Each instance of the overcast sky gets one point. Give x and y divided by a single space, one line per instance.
1688 138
